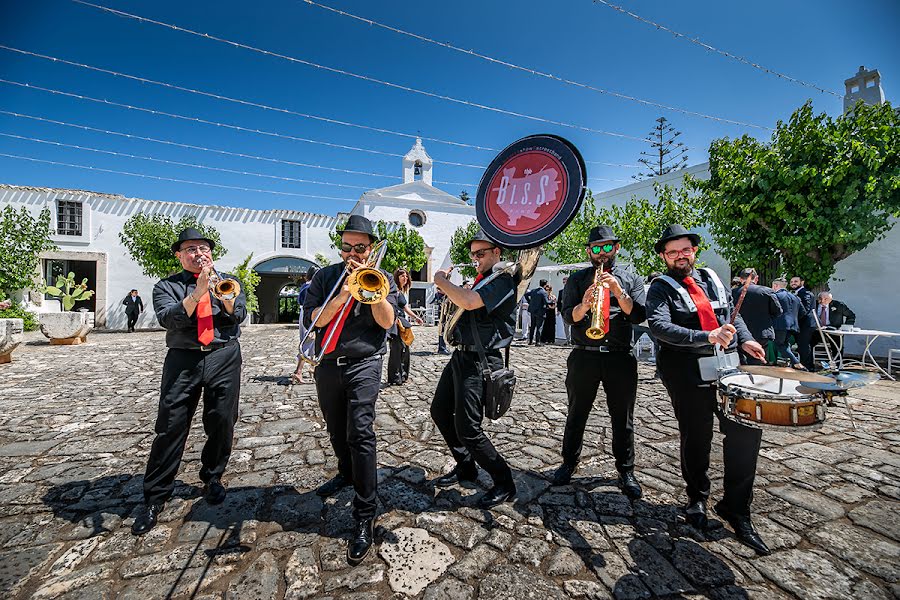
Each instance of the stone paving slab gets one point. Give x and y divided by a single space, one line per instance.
76 426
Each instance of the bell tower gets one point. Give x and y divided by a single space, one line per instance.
417 164
865 86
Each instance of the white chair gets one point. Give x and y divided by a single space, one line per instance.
644 343
820 355
892 354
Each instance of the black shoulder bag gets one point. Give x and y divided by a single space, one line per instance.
499 385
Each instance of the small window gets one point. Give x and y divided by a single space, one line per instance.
870 83
854 89
416 218
68 217
290 234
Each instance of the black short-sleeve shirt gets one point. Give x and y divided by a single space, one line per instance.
495 321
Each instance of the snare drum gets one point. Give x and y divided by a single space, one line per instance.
769 403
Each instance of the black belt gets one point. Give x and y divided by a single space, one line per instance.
598 348
467 348
343 361
217 345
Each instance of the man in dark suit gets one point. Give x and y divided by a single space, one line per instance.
538 301
832 313
134 306
806 322
786 324
759 310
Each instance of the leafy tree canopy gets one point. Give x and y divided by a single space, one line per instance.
819 191
405 247
568 247
149 239
249 280
22 238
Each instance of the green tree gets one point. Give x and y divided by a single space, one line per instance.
405 247
639 222
22 239
819 191
149 239
322 260
249 280
568 247
459 252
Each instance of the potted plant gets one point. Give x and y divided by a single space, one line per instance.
67 327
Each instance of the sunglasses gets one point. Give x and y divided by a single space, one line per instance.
598 248
481 253
358 248
686 252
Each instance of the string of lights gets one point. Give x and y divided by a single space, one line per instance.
705 46
532 71
367 78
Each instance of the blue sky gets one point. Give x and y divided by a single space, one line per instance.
821 41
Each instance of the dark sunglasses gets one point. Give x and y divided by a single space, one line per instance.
358 248
598 248
481 253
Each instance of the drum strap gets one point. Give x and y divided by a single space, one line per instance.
721 301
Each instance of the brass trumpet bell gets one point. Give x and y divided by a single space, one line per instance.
368 285
226 289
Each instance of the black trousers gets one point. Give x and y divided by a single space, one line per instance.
805 344
398 361
132 319
457 410
186 375
347 395
537 327
617 371
695 403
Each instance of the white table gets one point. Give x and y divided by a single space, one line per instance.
871 335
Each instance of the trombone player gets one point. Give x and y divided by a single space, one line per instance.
458 407
201 312
348 376
601 302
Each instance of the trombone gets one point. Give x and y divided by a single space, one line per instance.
367 285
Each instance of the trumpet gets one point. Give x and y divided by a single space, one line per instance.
221 288
596 330
367 285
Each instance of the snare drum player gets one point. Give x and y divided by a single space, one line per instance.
607 360
348 378
688 311
458 407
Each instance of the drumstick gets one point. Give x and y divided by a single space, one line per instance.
737 307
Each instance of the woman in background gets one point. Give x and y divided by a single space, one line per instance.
398 362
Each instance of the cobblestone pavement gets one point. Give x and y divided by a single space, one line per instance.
76 426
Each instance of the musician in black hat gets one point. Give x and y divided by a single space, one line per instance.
607 360
204 357
458 405
348 378
688 311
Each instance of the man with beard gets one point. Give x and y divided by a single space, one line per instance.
458 405
806 321
349 377
688 311
607 360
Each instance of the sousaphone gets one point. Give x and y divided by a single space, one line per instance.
528 194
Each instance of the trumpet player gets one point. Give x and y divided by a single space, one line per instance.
204 357
601 302
348 376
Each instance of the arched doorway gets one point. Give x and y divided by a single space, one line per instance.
277 291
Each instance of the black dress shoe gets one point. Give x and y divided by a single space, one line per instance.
500 493
361 542
563 475
630 485
695 514
214 492
146 519
743 529
461 472
333 486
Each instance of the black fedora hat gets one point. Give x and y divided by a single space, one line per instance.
480 236
673 232
359 224
602 233
191 234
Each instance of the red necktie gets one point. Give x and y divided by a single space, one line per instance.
708 320
477 279
337 326
205 332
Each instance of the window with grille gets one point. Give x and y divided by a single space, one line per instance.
68 217
290 234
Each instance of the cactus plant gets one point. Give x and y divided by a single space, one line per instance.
68 291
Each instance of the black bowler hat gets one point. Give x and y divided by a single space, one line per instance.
602 233
359 224
480 236
674 232
191 234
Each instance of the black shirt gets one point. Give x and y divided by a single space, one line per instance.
759 310
361 335
676 327
181 329
495 321
620 333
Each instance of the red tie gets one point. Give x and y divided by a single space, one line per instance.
337 326
708 320
477 279
205 332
